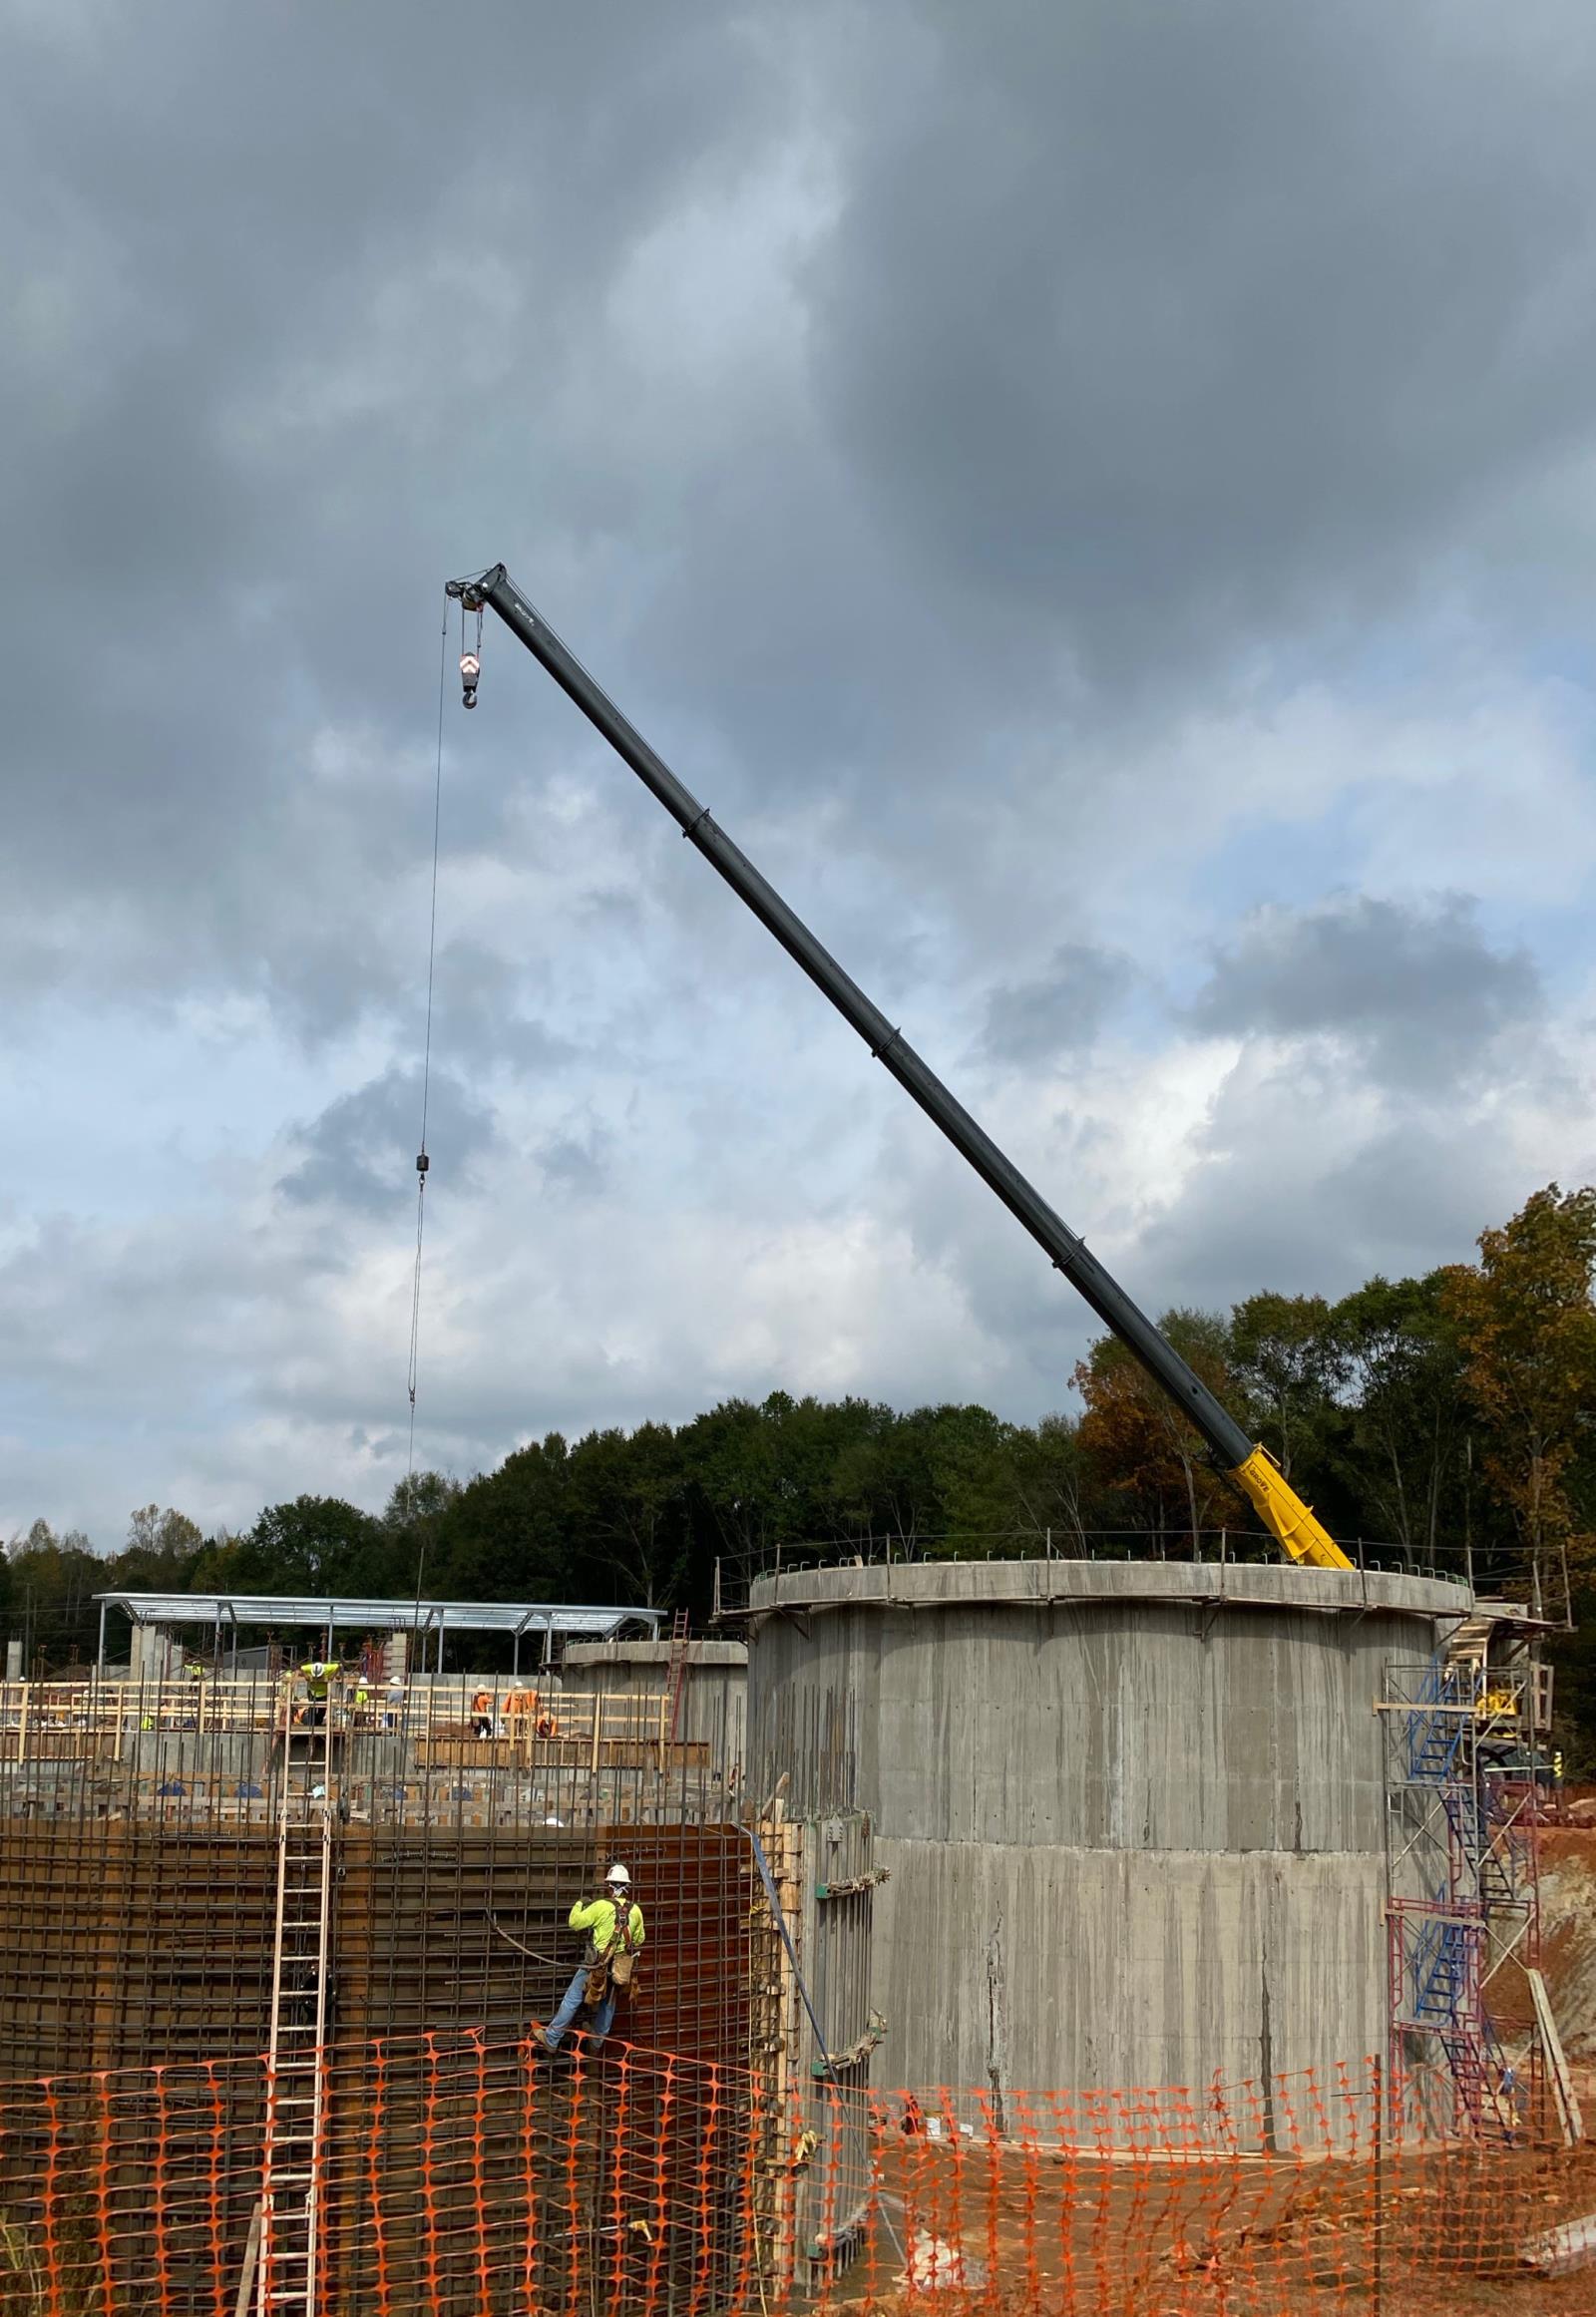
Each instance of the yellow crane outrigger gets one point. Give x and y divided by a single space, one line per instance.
1248 1464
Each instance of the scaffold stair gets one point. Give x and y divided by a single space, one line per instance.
1469 1837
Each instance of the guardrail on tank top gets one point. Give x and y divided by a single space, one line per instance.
463 2178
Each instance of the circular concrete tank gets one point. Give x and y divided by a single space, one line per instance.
1133 1813
714 1688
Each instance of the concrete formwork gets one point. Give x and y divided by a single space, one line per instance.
714 1690
1133 1812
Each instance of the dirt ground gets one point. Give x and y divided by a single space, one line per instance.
1234 2238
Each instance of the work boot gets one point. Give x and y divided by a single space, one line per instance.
538 2035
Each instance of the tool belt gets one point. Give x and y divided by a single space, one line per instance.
613 1969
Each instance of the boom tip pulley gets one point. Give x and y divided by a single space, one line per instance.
469 595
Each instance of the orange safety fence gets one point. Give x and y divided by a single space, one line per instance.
451 2175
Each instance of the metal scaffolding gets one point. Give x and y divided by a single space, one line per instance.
1465 1760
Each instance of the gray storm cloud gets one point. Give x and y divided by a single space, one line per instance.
1419 989
923 418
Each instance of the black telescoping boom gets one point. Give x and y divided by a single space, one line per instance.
1248 1466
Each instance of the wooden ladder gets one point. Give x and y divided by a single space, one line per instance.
676 1669
296 2089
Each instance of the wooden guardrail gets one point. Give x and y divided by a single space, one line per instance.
55 1721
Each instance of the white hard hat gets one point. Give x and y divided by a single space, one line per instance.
617 1874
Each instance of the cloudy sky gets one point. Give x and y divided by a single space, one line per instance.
1100 499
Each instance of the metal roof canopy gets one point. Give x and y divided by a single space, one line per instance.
341 1611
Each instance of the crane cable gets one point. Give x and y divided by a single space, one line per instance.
422 1161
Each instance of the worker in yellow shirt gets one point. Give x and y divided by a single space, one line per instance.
615 1928
318 1676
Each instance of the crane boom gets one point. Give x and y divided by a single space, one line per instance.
1249 1464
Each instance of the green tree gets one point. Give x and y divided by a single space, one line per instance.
415 1523
508 1536
1526 1326
1051 1485
53 1581
161 1551
312 1544
625 1504
1292 1362
1404 1462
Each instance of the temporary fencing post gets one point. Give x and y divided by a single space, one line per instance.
1264 2129
916 2174
382 2282
429 2180
216 2207
1133 2233
875 2130
572 2209
823 2223
528 2086
620 2152
51 2215
1188 2181
161 2199
1096 2106
1288 2130
698 2292
951 2227
758 2132
995 2176
105 2242
1026 2127
479 2169
663 2127
1060 2118
1377 2249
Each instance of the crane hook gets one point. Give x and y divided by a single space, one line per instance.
470 672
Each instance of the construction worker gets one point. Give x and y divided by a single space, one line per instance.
317 1675
481 1714
615 1928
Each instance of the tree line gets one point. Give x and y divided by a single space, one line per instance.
1447 1421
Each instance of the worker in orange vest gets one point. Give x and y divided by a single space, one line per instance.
481 1714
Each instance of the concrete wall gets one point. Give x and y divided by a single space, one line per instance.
1133 1813
715 1696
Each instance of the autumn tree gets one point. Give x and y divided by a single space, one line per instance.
1141 1441
1527 1330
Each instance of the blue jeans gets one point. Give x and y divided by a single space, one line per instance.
603 2019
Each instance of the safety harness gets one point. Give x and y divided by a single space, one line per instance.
614 1966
